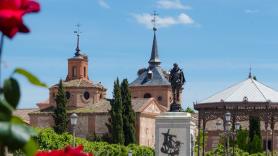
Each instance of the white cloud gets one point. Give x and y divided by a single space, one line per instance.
171 4
251 11
146 19
103 4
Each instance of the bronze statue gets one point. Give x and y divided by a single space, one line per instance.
177 80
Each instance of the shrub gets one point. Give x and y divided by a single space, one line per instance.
49 140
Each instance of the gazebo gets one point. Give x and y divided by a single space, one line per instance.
244 99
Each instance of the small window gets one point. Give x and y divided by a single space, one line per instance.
84 71
159 98
68 95
74 71
147 95
86 95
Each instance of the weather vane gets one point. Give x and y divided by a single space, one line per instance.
250 71
78 34
154 20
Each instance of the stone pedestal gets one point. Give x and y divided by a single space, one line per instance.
174 134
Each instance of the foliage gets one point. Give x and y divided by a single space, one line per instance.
219 151
189 110
242 139
14 133
116 118
128 114
254 130
201 141
255 145
47 139
60 112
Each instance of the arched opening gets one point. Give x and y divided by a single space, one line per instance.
85 72
74 71
147 95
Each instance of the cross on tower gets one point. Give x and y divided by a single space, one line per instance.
154 20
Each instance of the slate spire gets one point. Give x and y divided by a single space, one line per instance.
154 60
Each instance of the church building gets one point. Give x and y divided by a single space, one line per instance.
151 95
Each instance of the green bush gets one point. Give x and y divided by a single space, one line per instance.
49 140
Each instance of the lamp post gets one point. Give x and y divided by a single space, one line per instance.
73 121
130 153
237 127
227 128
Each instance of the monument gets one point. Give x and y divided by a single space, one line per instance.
174 130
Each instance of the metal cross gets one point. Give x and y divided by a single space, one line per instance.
154 20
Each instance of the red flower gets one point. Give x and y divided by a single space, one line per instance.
68 151
11 13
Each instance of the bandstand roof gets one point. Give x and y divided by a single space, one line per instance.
248 90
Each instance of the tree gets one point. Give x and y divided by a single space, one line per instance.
128 114
116 115
255 146
60 112
242 139
189 110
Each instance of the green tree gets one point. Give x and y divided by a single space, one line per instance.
128 114
189 110
255 146
116 115
254 127
60 112
242 139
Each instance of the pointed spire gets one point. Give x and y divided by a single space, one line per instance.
77 53
154 60
250 73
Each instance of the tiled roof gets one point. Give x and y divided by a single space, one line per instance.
80 83
250 90
23 113
159 78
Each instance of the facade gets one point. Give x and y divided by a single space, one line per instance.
151 95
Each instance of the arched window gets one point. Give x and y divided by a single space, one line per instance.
147 95
159 98
74 71
84 71
68 95
86 95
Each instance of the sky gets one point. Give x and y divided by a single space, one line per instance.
214 41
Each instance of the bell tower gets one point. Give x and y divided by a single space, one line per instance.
78 65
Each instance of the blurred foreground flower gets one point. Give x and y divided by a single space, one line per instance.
68 151
11 13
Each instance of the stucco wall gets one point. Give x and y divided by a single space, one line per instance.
147 131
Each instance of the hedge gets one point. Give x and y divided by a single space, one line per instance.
49 140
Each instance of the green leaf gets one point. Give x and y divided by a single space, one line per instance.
30 148
6 111
17 120
31 78
11 91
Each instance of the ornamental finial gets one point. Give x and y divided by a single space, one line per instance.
77 32
154 20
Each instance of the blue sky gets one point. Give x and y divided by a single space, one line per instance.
214 41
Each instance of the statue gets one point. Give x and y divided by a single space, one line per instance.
177 80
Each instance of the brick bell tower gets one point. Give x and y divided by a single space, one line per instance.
78 65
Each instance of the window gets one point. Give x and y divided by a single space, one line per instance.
86 95
84 71
74 71
159 98
68 95
147 95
